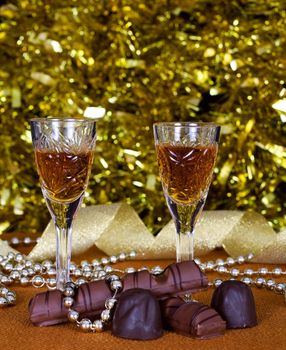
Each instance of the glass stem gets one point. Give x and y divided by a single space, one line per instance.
63 254
185 218
185 244
62 215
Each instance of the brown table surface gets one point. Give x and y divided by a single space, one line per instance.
17 332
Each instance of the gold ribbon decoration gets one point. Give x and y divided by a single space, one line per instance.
116 228
5 248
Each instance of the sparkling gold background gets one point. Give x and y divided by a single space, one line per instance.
146 61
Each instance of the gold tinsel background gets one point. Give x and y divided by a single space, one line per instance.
146 61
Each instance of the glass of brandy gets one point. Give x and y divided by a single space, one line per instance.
64 153
186 154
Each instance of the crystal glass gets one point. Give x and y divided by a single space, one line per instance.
186 154
64 153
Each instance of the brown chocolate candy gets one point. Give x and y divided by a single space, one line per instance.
192 319
137 316
234 301
47 308
181 278
168 307
177 279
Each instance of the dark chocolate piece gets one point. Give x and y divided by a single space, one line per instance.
234 301
47 308
137 315
177 279
168 307
193 319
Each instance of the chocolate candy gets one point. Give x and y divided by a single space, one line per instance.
192 319
181 278
177 279
168 308
234 301
47 308
137 316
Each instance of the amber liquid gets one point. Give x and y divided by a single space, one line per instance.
186 171
63 175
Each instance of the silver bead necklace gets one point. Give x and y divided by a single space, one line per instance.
86 324
17 269
223 267
26 241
